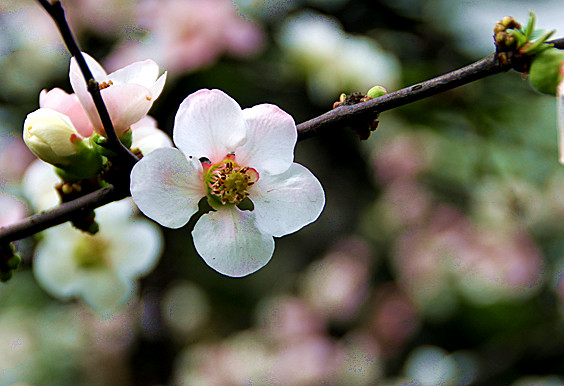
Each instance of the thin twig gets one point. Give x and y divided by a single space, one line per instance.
345 114
62 213
57 13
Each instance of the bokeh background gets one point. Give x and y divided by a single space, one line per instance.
438 258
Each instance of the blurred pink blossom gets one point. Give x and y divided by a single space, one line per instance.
337 285
14 159
12 209
394 318
289 318
483 263
185 35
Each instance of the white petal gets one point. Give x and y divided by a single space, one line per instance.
157 88
560 99
209 123
166 186
229 242
103 289
271 138
53 265
285 203
142 247
142 73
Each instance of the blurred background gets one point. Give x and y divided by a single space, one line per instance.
438 258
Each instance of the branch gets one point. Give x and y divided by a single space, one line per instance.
339 116
62 213
345 114
57 13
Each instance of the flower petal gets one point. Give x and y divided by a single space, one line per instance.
142 247
143 73
285 203
104 290
126 104
68 104
271 138
229 242
209 123
166 186
56 272
147 137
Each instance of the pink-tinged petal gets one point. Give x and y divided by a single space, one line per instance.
271 138
68 104
229 242
285 203
143 73
210 124
126 103
166 186
128 93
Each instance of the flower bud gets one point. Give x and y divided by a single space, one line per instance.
52 137
545 73
376 91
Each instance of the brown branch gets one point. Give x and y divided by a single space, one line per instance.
60 214
344 115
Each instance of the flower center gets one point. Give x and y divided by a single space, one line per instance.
90 252
227 182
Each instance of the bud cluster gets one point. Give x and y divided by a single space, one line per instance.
518 46
363 131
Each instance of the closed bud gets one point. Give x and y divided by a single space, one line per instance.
376 91
52 137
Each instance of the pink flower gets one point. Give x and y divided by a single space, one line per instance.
189 34
230 156
128 92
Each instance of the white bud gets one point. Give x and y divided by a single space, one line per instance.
51 136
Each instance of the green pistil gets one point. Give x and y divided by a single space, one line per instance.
90 252
227 183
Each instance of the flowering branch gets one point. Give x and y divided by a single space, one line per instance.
57 13
340 116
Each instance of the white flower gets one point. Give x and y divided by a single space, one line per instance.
229 155
128 93
101 269
147 137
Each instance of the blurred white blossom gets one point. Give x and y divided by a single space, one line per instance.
101 269
334 61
